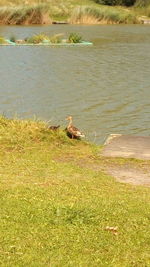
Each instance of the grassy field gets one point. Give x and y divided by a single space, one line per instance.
77 12
57 203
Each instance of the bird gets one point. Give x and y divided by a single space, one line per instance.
72 131
54 128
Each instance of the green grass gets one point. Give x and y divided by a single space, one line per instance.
83 11
56 203
36 14
102 15
38 38
143 11
43 38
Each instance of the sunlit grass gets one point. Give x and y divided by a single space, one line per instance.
37 14
108 15
84 12
55 206
143 11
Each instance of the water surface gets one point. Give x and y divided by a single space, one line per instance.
106 88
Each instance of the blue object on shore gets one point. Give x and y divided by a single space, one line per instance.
10 42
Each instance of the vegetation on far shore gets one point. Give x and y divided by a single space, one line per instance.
59 207
83 12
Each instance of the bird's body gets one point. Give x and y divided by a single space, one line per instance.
72 131
54 128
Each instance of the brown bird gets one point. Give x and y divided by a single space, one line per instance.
54 128
72 131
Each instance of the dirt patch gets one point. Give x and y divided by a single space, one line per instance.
129 174
136 173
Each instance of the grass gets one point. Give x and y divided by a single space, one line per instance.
39 38
56 207
102 15
37 14
43 38
142 11
83 11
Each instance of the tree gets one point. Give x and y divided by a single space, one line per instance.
117 2
142 3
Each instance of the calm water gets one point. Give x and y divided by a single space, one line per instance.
106 88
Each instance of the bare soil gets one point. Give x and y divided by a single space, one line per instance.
130 174
123 170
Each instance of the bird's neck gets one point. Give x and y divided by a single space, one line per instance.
70 123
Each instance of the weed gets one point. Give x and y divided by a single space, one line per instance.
74 38
38 38
56 38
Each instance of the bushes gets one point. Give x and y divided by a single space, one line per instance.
116 2
44 39
142 3
36 39
74 38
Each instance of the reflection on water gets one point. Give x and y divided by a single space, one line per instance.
104 87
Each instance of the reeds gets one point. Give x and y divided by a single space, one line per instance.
36 14
101 15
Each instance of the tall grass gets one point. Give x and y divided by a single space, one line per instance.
145 11
92 15
142 8
142 3
74 11
37 14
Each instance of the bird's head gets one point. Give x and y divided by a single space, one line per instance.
69 118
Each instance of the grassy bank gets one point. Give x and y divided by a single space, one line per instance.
102 15
77 12
37 14
57 204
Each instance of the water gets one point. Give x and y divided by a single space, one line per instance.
106 88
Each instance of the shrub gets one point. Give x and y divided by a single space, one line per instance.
38 38
116 2
74 38
55 39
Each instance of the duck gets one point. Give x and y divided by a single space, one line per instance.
72 131
53 127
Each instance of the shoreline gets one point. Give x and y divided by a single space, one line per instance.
44 14
122 168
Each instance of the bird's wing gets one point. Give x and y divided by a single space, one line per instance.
75 131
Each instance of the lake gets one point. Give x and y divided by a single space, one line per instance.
105 87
